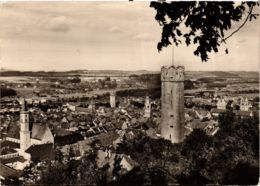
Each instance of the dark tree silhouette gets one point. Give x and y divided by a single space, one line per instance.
243 174
10 180
7 92
206 23
231 156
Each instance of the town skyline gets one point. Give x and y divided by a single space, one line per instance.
59 36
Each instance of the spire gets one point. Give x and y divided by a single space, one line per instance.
147 107
147 100
92 102
24 105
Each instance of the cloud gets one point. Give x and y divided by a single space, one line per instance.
143 37
59 24
114 29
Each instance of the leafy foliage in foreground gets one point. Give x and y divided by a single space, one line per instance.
206 23
229 157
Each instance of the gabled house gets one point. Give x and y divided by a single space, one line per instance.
41 134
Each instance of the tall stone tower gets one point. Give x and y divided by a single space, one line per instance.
172 103
112 99
147 107
25 141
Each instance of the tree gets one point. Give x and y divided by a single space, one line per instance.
7 92
117 166
73 172
231 156
206 23
11 180
75 80
243 174
188 84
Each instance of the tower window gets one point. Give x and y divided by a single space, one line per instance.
171 116
171 126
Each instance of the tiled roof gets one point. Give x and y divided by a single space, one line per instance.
41 152
6 150
9 144
196 123
242 113
68 139
215 110
61 132
107 138
6 171
38 131
14 159
13 131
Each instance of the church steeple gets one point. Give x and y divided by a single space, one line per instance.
25 141
24 105
147 107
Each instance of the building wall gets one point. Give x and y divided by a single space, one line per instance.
25 141
13 139
7 156
112 100
172 104
24 154
35 142
126 165
147 108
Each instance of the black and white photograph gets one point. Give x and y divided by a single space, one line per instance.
131 93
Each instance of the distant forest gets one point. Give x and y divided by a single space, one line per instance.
38 73
188 74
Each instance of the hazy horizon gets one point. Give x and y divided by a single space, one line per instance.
65 36
123 70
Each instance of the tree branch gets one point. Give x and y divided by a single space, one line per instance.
249 13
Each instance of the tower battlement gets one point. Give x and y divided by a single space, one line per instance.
172 73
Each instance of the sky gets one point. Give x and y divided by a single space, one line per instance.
64 36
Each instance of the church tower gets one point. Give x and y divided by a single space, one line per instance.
112 99
25 140
92 105
172 103
244 105
147 107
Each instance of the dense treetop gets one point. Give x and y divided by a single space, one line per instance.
206 23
